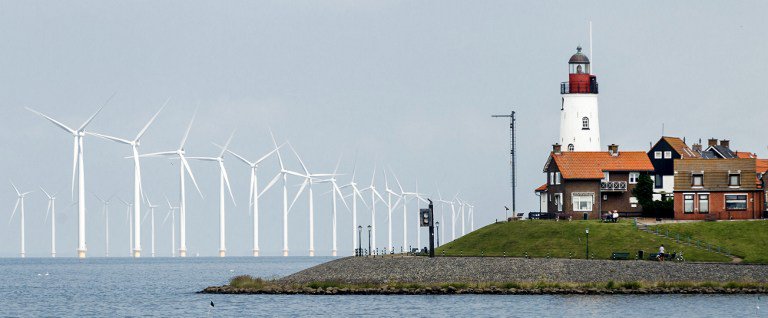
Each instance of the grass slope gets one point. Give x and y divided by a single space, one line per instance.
745 239
539 238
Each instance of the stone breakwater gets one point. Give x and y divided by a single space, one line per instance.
424 270
501 275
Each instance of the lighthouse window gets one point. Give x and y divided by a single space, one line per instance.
578 69
585 123
570 147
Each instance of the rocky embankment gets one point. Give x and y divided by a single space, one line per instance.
501 275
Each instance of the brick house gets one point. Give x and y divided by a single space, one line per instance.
584 184
662 156
718 189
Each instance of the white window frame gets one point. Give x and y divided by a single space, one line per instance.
731 175
692 201
578 199
557 177
633 202
667 155
699 205
746 201
585 123
551 178
636 178
606 176
657 155
693 178
559 201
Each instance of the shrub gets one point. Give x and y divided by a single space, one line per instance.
246 281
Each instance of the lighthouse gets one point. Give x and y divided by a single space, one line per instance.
579 126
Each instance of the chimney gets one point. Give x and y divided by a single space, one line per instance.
696 147
725 143
712 142
556 149
613 149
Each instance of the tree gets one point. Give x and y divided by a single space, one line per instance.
644 193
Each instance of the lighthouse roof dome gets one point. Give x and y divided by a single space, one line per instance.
578 58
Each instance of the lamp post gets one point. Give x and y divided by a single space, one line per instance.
587 231
369 240
437 225
359 243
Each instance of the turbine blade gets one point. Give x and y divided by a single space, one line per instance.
338 191
303 166
226 145
379 196
303 186
250 191
14 210
268 154
398 182
144 130
47 211
55 122
169 202
338 162
279 157
167 215
46 193
115 139
158 154
226 180
191 176
360 195
271 183
189 128
15 188
241 158
75 155
87 122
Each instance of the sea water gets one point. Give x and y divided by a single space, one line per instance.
166 287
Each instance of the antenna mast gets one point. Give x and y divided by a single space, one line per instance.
591 54
512 164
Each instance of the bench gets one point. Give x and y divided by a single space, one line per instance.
620 255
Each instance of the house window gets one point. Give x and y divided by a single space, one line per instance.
582 203
606 176
667 155
633 177
657 155
557 177
633 202
734 180
551 178
658 181
735 202
688 203
570 147
703 203
697 180
585 123
559 201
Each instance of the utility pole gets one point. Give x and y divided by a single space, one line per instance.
512 165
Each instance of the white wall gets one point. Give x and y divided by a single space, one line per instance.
575 107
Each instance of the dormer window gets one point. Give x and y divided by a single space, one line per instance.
734 180
585 123
697 180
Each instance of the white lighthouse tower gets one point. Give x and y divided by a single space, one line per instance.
579 125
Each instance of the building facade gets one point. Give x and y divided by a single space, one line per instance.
663 155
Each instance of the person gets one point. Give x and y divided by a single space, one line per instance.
661 253
615 216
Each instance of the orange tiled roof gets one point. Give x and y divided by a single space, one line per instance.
542 188
592 164
745 154
681 148
762 165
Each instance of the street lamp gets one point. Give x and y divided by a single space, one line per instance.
437 225
369 240
587 231
359 242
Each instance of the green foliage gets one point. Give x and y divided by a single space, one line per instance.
610 285
644 193
745 239
631 285
246 281
324 284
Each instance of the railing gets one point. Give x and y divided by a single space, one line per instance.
578 88
542 215
613 186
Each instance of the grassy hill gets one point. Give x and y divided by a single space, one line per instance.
540 238
745 239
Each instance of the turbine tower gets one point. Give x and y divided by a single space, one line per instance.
20 200
223 180
152 221
52 210
129 207
390 207
171 210
405 195
374 194
137 191
78 168
253 194
183 170
309 180
355 194
105 210
335 190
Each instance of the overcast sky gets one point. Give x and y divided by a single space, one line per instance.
409 85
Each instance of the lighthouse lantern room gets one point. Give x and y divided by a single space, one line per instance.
579 126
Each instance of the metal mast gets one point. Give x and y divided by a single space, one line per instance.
512 165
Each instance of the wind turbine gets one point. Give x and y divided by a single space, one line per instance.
334 191
355 194
374 194
461 212
283 174
442 212
52 210
78 168
390 193
129 206
106 222
453 218
471 216
183 170
171 210
136 177
152 221
223 180
309 180
253 193
20 199
405 195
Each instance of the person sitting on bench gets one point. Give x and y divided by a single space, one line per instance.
615 216
661 253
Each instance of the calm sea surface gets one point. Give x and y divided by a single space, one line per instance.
165 287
